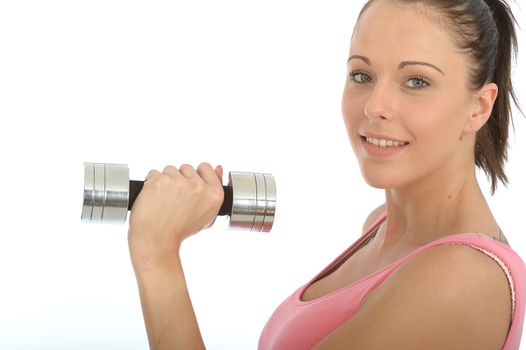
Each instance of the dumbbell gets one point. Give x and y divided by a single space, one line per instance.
249 200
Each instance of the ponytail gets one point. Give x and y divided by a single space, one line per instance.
491 147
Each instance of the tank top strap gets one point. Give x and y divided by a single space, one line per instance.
375 224
340 259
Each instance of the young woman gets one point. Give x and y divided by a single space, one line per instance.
427 100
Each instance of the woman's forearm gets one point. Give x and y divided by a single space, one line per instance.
167 309
171 206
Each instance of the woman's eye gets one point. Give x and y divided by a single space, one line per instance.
416 83
360 77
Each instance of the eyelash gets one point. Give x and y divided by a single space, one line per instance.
353 74
420 78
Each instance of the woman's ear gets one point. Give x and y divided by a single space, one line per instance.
483 102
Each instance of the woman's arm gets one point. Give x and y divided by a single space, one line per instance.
171 206
167 309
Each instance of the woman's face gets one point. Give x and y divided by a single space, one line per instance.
407 82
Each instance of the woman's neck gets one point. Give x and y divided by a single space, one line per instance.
436 207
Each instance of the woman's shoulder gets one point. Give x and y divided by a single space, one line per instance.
449 296
485 243
473 282
457 286
372 217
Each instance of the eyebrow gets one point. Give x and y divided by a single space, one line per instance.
400 66
363 58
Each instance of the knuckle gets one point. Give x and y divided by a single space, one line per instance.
192 186
159 181
204 165
151 174
199 186
185 166
169 168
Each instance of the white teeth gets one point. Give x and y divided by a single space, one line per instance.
385 143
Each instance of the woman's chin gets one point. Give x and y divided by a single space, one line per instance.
381 181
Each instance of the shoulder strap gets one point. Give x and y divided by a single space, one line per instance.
377 222
340 259
501 264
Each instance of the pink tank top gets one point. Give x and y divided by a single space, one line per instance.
298 325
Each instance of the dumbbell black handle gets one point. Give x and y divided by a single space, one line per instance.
226 207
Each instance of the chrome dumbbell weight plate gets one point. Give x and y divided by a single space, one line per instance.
109 193
106 189
253 202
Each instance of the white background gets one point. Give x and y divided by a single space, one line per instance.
254 86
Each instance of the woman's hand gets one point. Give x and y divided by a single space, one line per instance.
172 206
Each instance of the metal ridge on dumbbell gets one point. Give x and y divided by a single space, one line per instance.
250 198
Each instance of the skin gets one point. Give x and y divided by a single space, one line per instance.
172 206
430 189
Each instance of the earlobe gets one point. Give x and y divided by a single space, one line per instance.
483 102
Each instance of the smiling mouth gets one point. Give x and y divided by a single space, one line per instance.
382 143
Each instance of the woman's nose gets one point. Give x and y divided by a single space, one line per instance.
380 103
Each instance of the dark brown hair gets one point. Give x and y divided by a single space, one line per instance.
485 31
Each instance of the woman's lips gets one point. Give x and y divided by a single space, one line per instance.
381 151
